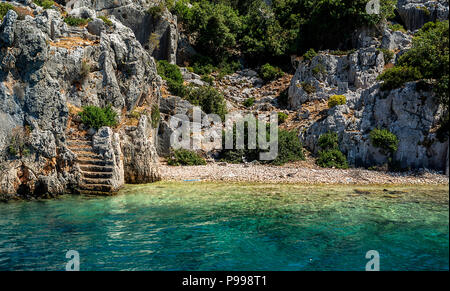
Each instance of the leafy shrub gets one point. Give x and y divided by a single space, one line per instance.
397 27
4 8
336 100
397 76
209 99
157 10
384 139
249 102
330 156
427 59
106 20
342 52
282 117
208 79
289 148
169 71
328 141
97 117
269 73
309 89
310 54
75 21
46 4
333 158
184 157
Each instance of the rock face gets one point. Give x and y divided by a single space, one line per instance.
157 33
327 75
407 112
139 151
48 71
412 115
415 13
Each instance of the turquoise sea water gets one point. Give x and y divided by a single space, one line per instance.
196 226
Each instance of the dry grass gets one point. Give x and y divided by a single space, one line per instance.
70 43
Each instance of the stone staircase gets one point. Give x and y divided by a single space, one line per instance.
96 172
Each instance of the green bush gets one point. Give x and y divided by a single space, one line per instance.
328 141
282 117
106 20
336 100
249 102
97 117
46 4
169 71
332 159
75 21
330 156
209 99
384 139
269 73
310 54
397 27
184 157
289 148
157 10
397 76
427 59
4 8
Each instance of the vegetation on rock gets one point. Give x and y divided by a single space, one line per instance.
336 100
96 117
384 139
182 157
330 156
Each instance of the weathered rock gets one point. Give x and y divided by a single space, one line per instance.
415 13
326 75
48 67
140 157
408 113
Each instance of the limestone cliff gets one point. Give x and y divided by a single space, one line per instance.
49 70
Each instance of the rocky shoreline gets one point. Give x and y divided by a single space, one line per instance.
293 174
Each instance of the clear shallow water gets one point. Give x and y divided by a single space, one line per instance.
193 226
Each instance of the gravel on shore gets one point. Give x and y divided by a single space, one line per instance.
297 175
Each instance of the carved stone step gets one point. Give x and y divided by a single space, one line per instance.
96 187
92 168
88 156
94 162
90 181
97 175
